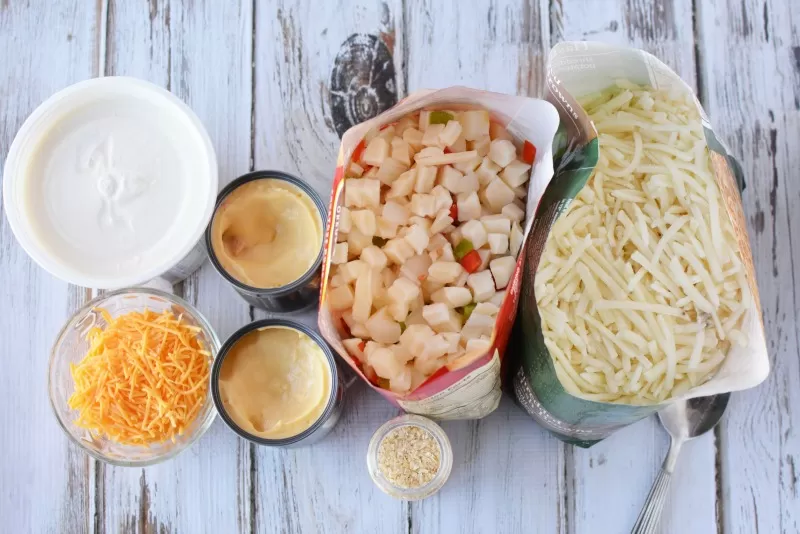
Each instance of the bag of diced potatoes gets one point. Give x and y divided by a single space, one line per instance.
638 286
431 204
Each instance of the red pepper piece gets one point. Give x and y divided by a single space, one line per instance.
528 152
471 261
454 211
358 151
362 346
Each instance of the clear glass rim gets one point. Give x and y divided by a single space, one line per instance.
214 349
445 458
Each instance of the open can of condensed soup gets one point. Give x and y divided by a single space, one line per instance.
265 239
111 183
276 383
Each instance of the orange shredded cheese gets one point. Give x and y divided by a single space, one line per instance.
144 379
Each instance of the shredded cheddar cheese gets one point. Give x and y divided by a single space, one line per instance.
144 379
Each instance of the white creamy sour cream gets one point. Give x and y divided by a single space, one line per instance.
113 183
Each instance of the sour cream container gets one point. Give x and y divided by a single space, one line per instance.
111 183
299 294
321 425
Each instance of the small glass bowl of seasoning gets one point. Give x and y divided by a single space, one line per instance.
410 457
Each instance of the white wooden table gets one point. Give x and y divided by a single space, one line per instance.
259 76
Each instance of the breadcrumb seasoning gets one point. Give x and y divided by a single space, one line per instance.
409 456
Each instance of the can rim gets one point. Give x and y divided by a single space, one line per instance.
300 282
233 340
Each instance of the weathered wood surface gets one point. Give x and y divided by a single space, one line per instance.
275 84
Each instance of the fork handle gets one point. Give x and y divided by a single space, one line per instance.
650 516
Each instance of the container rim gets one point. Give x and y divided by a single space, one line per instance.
233 340
300 282
35 121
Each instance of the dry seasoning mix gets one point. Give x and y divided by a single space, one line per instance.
409 457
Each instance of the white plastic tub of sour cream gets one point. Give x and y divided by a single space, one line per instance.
111 183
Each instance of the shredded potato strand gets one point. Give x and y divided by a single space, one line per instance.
639 287
143 380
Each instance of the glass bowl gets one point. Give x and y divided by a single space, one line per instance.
71 346
445 458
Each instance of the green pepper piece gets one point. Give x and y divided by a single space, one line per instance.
378 241
463 248
440 117
468 309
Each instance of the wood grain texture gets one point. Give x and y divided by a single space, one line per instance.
48 483
201 52
324 488
601 494
750 59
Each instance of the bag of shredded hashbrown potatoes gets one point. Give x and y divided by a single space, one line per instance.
581 71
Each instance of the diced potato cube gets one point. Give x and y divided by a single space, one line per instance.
413 137
482 285
354 170
442 221
447 253
521 191
362 193
498 131
401 151
444 272
502 152
453 339
431 135
485 255
359 330
469 206
455 237
370 346
387 132
339 253
386 229
475 232
377 150
384 362
455 297
374 257
484 323
382 328
390 170
475 124
415 316
353 346
469 165
340 298
479 345
497 224
449 178
429 287
516 173
388 276
356 242
502 269
364 221
460 144
498 195
487 171
371 173
401 383
513 212
451 158
441 318
443 198
403 185
426 178
461 281
416 336
428 152
498 298
398 310
403 290
418 238
481 145
398 250
416 268
450 133
437 242
498 243
345 224
351 270
395 212
515 239
362 303
469 183
421 221
486 308
423 204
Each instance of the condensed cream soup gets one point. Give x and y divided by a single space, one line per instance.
275 382
267 233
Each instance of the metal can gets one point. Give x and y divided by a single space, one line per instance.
298 295
333 409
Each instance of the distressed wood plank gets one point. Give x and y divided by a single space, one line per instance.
610 481
48 482
201 52
508 474
313 80
750 58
